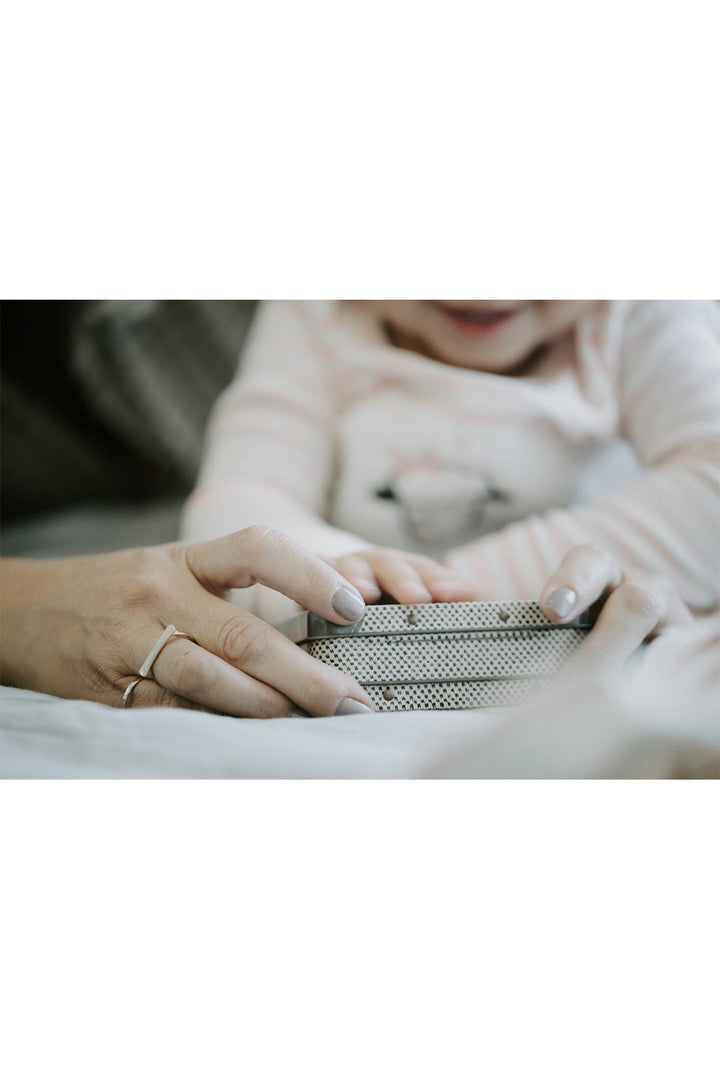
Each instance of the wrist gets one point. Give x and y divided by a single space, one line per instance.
24 584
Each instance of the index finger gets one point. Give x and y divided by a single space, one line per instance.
251 646
260 555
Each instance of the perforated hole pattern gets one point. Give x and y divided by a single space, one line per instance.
451 656
423 618
462 695
446 656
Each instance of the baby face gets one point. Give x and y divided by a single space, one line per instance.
487 335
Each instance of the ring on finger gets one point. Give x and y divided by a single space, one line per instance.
128 691
168 633
146 667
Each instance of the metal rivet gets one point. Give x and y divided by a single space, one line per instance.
388 694
412 617
503 616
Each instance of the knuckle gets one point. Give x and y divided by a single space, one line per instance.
317 578
642 600
596 556
256 536
322 686
240 641
148 584
665 587
144 588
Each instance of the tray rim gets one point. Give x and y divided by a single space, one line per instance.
307 626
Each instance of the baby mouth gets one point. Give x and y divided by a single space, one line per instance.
471 317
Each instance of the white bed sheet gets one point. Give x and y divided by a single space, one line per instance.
42 736
611 733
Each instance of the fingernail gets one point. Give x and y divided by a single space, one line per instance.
348 604
349 705
562 601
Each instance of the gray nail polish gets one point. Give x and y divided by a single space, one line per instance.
562 601
349 705
348 604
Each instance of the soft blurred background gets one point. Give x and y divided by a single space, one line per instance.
103 409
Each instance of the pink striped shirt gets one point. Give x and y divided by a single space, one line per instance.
344 441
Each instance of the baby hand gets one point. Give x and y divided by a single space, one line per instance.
402 576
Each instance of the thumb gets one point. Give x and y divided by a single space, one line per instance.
260 555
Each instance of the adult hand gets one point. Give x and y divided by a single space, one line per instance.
82 627
402 576
635 608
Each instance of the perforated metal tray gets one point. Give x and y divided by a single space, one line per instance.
444 656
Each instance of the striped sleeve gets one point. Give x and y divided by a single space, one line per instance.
666 521
269 456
